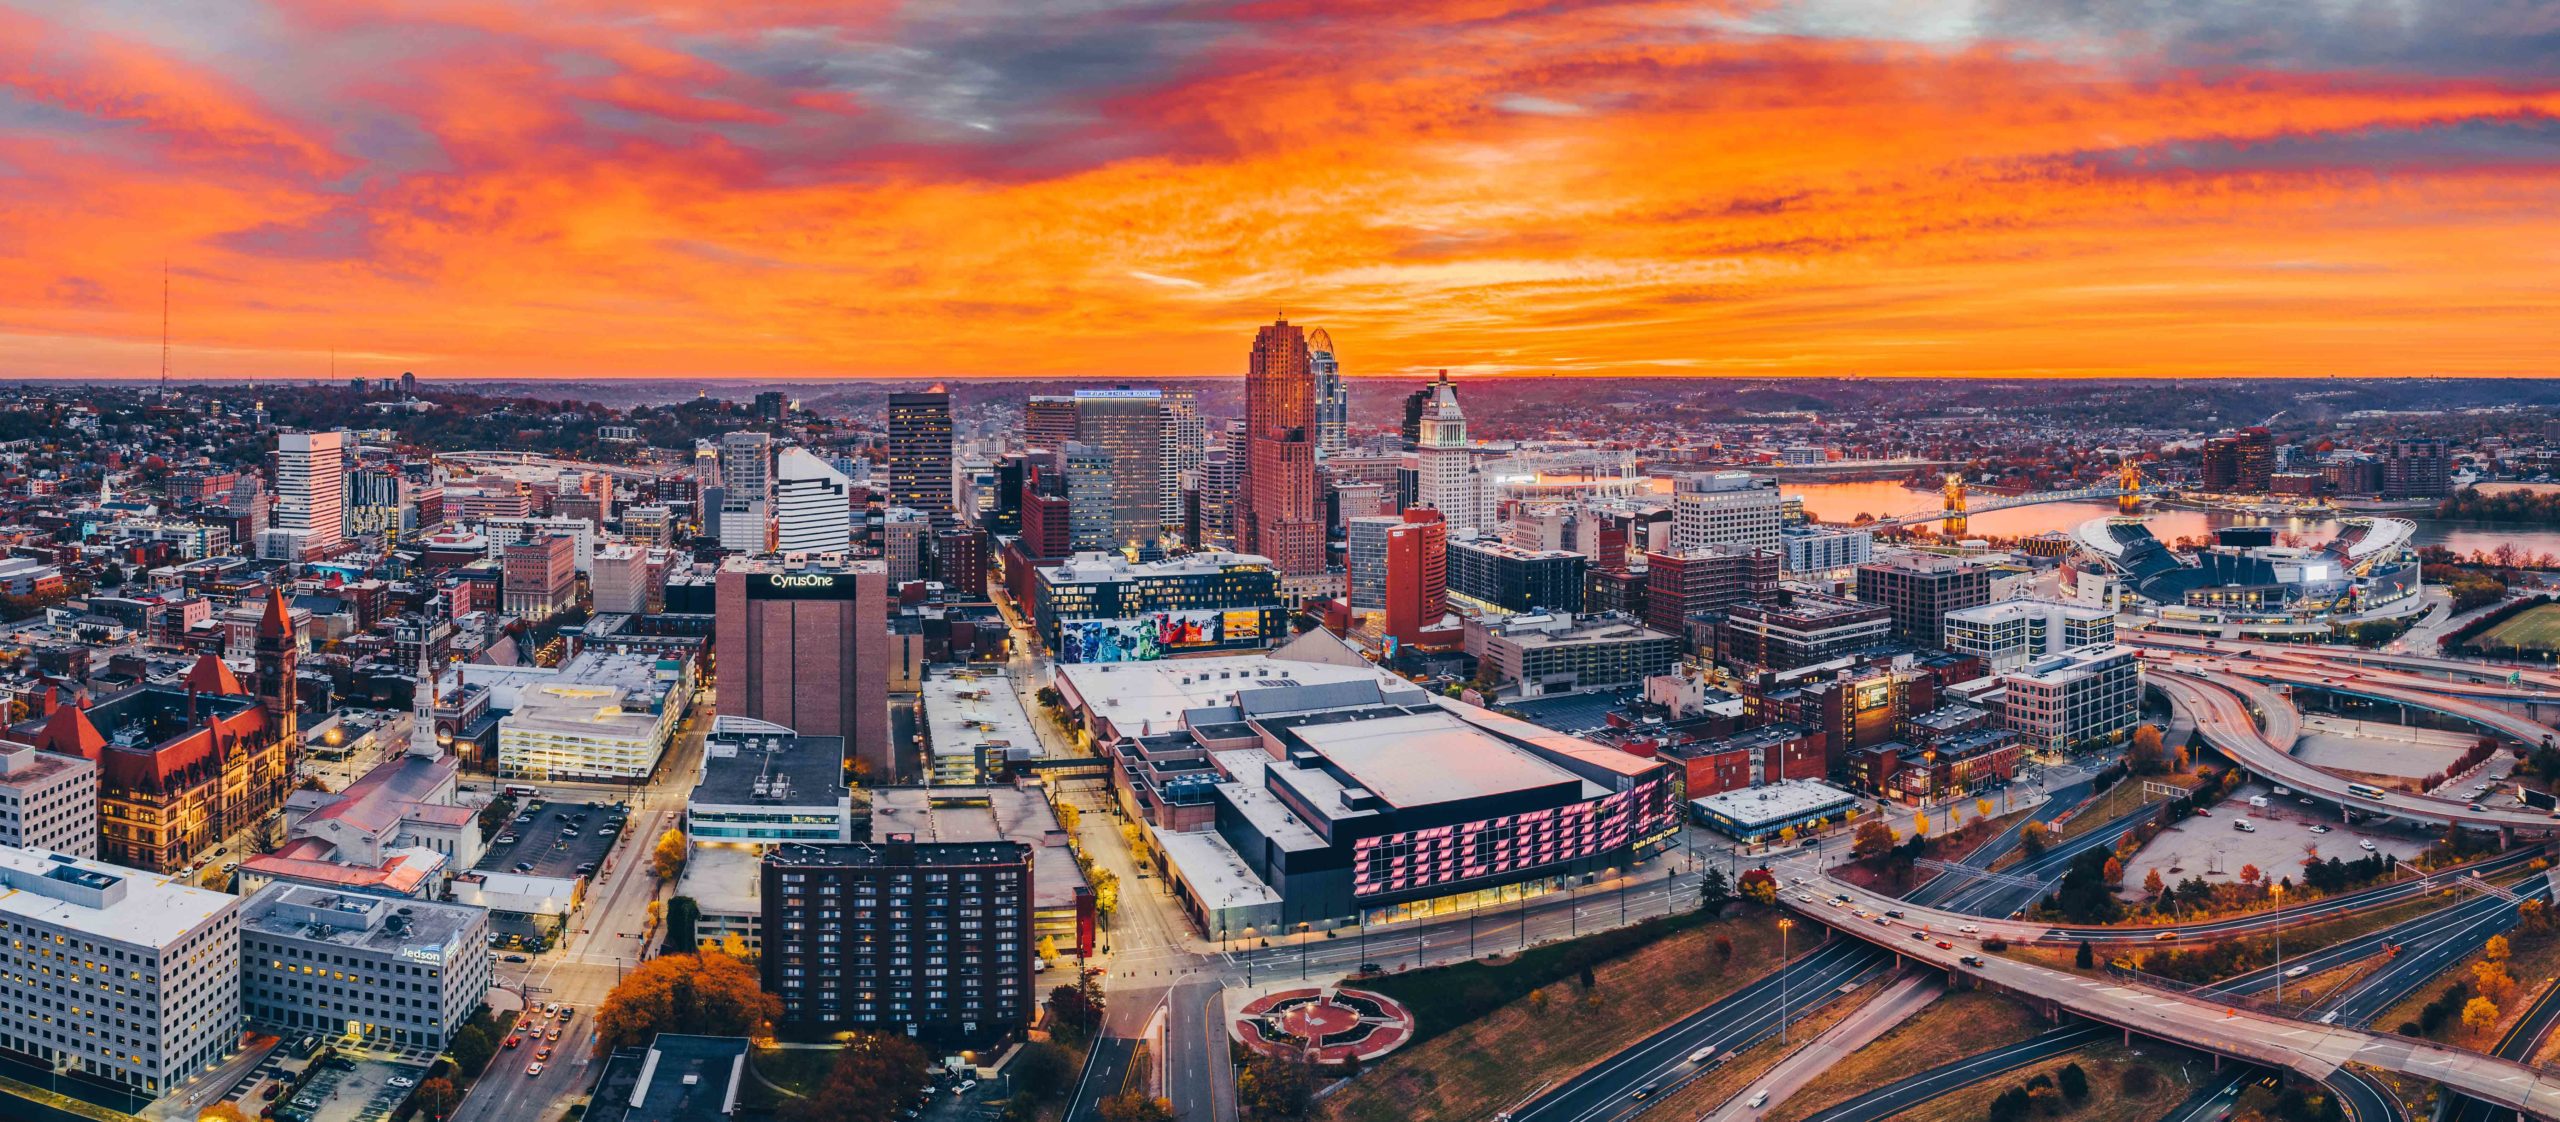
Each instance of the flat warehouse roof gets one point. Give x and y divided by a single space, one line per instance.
1419 759
1778 802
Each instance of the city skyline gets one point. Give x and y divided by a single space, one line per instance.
1610 189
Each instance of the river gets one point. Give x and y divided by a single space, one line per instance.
1840 502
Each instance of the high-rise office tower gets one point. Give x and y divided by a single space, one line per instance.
812 505
1129 426
807 647
311 480
1445 478
1280 517
1333 396
920 452
1724 508
1090 477
1048 423
1221 475
746 465
1416 405
1186 437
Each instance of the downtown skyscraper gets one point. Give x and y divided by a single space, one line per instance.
920 452
1278 514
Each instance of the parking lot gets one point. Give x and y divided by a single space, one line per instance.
555 840
2212 848
351 1090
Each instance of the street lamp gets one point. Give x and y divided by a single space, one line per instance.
2276 891
1302 951
1784 925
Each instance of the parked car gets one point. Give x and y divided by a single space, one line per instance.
399 1081
515 958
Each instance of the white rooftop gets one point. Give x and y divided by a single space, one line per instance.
1143 698
966 709
105 901
1776 802
1216 875
1421 759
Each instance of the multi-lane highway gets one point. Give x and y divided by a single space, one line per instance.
2197 1021
1741 1019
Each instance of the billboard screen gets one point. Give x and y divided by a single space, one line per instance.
1108 640
1187 628
1242 623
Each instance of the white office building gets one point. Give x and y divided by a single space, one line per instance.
48 801
505 531
390 972
129 976
2012 633
311 480
601 716
1724 508
813 507
1812 550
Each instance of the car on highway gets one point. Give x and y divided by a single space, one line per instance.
1923 936
514 1039
1945 945
2165 937
534 1068
1700 1056
1971 960
1646 1091
543 1054
2297 971
1968 929
1895 913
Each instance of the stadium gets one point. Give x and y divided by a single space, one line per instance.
2245 579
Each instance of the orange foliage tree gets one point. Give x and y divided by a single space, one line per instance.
710 994
874 1077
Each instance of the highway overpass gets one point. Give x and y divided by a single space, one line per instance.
2317 1051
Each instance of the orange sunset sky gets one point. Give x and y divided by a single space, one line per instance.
1119 188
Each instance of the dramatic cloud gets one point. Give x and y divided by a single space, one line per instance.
1570 187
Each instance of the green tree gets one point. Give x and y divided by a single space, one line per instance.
472 1048
1041 1070
1714 891
1078 1004
2074 1081
684 917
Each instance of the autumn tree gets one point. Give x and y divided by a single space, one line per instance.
2250 875
710 994
2146 756
221 1112
1874 839
2479 1014
2496 949
1760 886
1920 825
2035 838
2152 885
1277 1087
1133 1106
437 1098
667 860
872 1079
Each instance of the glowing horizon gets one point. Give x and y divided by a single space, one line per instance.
795 190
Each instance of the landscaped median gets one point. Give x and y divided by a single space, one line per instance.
1963 1023
1491 1033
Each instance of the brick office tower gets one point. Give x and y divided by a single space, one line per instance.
1417 575
807 647
1280 518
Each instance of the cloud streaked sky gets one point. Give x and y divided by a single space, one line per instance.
795 188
